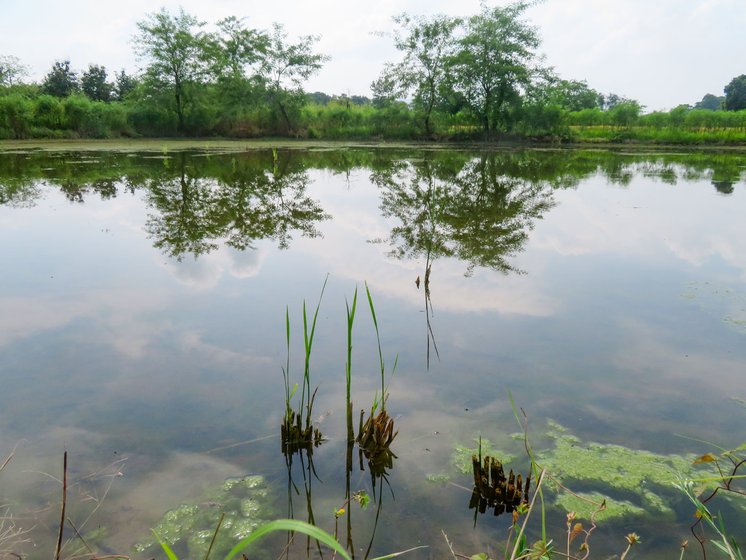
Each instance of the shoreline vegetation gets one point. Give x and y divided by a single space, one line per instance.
476 78
237 145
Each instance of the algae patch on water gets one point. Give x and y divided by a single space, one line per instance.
461 459
189 528
614 469
628 481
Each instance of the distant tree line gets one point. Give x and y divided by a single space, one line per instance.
469 77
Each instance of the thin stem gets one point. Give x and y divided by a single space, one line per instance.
64 504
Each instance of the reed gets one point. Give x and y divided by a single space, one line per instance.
297 430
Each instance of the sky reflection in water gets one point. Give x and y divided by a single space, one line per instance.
143 300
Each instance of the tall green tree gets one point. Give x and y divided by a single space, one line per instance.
735 94
237 49
573 95
286 67
710 102
176 53
427 44
123 84
12 71
94 84
236 54
495 62
61 81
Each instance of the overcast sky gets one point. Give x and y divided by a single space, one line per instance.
660 52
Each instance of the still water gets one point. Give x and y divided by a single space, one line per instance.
143 330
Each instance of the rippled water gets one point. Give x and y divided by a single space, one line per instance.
142 329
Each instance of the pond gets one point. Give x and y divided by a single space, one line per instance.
152 302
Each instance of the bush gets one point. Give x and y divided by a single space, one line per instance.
16 115
48 112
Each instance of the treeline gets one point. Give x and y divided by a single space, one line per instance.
477 77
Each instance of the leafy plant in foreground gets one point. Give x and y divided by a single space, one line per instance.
728 464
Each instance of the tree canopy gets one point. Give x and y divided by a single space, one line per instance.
428 47
173 48
61 81
735 94
93 83
11 70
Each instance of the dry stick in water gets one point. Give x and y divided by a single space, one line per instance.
215 535
64 503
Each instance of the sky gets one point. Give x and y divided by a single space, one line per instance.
660 52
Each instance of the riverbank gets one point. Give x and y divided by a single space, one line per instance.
237 145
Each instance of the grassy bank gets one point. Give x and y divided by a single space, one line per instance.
607 139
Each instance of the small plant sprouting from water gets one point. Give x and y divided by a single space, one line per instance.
376 433
297 430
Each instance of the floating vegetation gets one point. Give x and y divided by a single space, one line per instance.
493 490
629 481
584 505
462 456
616 469
189 528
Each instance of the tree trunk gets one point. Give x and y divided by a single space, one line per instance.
179 106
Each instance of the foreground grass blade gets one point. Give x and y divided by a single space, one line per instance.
288 525
167 549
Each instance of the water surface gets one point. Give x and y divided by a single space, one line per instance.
142 328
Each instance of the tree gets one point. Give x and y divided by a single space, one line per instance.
123 85
608 102
319 97
235 49
710 102
286 67
735 94
427 45
235 53
11 70
494 62
176 55
573 95
61 80
94 85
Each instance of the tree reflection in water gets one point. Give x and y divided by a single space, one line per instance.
245 203
469 209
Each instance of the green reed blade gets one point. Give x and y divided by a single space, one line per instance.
350 322
288 525
164 545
